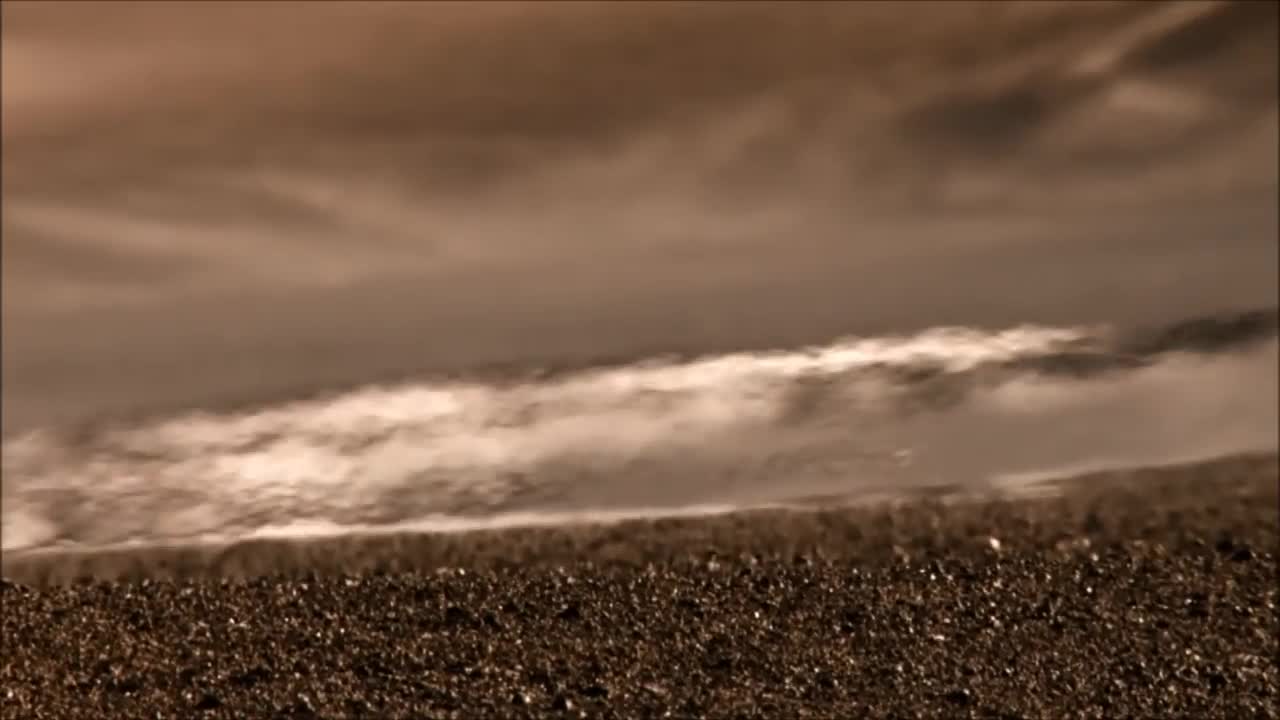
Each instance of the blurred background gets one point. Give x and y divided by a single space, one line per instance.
211 203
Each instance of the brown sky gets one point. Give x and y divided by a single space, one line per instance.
203 199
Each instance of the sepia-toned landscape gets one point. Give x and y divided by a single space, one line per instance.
682 359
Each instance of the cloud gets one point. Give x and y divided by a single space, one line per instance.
549 176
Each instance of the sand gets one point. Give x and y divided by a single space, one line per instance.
1148 593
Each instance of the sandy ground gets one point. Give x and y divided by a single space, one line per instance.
1136 594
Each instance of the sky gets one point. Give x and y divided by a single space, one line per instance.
204 201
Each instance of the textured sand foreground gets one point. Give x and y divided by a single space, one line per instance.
1139 594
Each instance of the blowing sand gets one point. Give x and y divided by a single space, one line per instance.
1148 593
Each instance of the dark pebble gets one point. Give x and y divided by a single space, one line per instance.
571 613
595 691
457 617
1242 554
